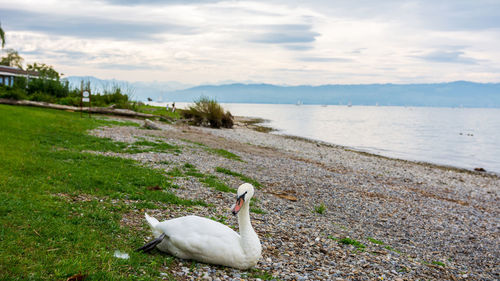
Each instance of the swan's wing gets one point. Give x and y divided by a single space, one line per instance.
202 238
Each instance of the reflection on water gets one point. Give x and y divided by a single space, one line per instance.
460 137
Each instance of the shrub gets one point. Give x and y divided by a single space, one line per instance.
72 101
42 96
113 96
227 120
54 88
11 93
207 112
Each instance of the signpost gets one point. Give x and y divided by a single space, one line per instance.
85 96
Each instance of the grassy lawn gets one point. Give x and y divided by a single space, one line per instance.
158 110
46 230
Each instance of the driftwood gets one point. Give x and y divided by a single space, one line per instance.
100 110
148 124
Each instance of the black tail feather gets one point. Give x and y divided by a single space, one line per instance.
151 244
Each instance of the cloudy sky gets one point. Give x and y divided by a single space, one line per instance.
287 42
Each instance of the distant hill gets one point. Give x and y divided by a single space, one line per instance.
453 94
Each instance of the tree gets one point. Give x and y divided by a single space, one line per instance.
2 36
44 70
12 59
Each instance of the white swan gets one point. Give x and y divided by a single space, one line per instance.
205 240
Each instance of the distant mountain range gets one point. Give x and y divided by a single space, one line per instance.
453 94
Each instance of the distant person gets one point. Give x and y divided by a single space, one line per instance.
173 107
167 107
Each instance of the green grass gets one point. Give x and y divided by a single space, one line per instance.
224 153
320 209
150 146
220 218
215 183
349 241
207 179
158 110
235 174
258 211
333 238
217 151
438 263
190 170
194 142
392 249
175 173
110 122
374 241
261 274
47 231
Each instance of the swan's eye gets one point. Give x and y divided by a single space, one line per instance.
242 196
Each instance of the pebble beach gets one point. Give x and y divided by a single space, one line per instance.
326 212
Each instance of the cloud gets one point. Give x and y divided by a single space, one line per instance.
87 26
431 14
358 50
285 34
157 2
324 59
448 57
269 41
460 15
125 66
297 47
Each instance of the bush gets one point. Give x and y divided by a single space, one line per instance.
54 88
20 83
112 97
71 101
207 112
42 96
227 120
48 88
12 93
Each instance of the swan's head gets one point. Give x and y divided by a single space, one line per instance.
243 196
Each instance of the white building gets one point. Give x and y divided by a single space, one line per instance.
7 74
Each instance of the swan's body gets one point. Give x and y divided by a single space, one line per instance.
205 240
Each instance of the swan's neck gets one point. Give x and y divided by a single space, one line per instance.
249 240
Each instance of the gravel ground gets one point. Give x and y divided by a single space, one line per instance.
415 221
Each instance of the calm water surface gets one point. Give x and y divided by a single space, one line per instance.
460 137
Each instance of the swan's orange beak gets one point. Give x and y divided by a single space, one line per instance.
239 203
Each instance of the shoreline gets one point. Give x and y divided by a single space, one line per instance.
415 221
253 124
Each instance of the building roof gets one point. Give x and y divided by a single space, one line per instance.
14 71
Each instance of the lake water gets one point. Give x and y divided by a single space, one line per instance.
459 137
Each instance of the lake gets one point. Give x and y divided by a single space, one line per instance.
460 137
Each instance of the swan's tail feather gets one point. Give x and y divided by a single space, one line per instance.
153 223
